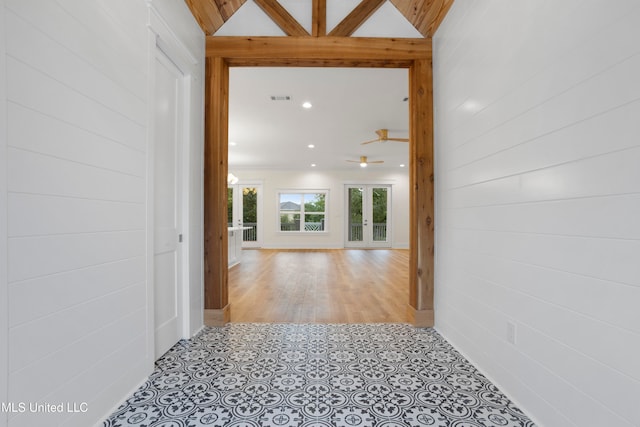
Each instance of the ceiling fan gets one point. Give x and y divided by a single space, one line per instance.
383 136
363 161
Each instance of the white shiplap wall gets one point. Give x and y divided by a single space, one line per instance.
4 304
538 202
78 84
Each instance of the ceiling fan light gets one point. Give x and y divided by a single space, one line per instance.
363 165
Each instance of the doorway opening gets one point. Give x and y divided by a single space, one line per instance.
412 54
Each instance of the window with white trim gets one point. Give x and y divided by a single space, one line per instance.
303 211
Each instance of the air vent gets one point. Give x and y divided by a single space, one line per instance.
280 98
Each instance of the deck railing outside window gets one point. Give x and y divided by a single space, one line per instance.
308 226
250 234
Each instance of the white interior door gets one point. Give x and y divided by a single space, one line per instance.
166 153
368 216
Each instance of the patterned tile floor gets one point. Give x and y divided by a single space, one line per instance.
312 375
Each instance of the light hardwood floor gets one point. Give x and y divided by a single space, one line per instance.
320 286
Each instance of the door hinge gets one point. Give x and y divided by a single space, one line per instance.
179 238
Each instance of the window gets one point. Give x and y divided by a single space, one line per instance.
303 211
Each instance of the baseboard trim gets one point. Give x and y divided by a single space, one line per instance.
218 316
420 318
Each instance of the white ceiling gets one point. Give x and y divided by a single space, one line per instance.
349 104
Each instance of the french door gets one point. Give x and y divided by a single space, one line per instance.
244 209
368 214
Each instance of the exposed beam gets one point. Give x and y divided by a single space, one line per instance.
319 18
436 14
343 63
207 15
356 18
425 15
227 7
239 51
421 231
282 18
216 272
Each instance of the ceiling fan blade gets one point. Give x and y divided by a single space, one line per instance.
376 161
398 139
353 161
369 142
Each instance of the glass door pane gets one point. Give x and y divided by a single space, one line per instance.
230 206
355 214
250 214
379 210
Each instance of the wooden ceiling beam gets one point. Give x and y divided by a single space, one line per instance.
436 14
240 51
206 14
356 18
227 7
424 15
319 18
282 18
318 63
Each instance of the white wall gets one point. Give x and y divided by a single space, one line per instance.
538 202
78 84
334 181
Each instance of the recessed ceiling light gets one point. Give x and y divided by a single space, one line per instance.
232 143
306 104
402 165
311 146
313 165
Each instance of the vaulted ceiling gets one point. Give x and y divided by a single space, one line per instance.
424 15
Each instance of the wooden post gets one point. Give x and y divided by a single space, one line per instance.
421 277
216 298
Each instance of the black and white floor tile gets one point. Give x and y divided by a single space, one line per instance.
316 375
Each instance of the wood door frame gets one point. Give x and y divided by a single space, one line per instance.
412 54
